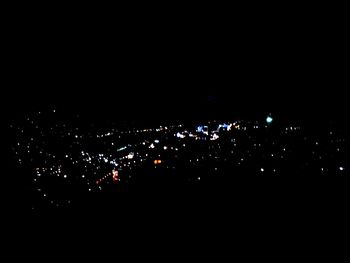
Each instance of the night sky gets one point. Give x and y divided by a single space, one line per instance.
173 87
254 61
177 70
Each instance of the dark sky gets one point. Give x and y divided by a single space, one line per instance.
291 68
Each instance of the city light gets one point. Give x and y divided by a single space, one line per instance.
157 161
179 135
116 159
115 176
269 119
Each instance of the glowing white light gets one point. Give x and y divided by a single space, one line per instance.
65 176
205 130
179 135
215 137
156 141
341 168
165 147
269 119
152 146
121 149
130 155
262 169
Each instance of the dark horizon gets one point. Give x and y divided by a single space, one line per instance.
183 104
298 73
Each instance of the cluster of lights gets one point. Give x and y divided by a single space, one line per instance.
97 168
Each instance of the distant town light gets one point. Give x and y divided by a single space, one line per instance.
179 135
269 119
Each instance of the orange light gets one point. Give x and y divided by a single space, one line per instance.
115 175
157 161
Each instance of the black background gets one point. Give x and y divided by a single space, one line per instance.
182 67
175 68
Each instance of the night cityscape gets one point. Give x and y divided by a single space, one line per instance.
92 126
67 162
175 131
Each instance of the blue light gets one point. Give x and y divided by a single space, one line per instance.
224 126
199 128
269 119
